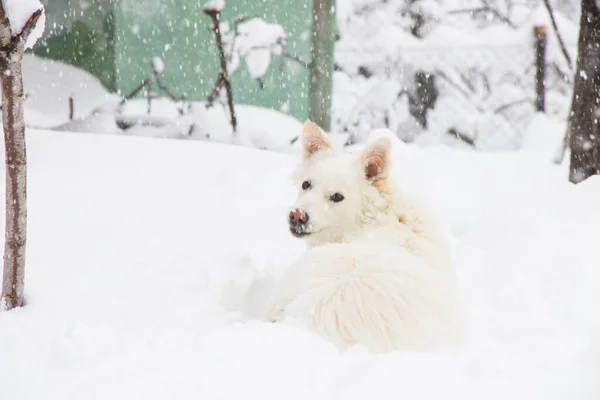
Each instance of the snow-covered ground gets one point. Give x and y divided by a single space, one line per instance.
149 260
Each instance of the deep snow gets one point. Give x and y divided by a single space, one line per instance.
148 260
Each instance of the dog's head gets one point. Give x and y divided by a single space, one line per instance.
338 193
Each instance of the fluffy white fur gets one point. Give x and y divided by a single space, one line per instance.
378 269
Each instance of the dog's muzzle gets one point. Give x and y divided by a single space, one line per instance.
298 221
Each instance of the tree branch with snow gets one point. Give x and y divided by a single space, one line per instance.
248 39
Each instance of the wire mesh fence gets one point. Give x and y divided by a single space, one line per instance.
483 95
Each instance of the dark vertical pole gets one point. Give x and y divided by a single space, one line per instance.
321 64
540 67
71 108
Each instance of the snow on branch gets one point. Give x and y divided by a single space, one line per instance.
214 6
25 19
255 41
490 10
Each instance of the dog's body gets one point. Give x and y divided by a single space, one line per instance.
378 269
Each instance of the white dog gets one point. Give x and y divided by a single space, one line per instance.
378 270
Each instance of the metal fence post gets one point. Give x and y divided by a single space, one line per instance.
321 64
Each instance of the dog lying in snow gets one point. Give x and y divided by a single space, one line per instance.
378 269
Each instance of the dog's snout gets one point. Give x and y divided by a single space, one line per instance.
298 216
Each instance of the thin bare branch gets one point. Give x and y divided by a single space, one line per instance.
135 91
165 89
30 25
562 74
298 59
461 136
455 85
506 106
215 16
558 36
215 91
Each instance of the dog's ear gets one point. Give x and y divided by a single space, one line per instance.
314 139
375 159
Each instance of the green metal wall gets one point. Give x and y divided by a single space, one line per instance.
81 33
116 40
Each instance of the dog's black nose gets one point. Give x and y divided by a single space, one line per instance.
297 216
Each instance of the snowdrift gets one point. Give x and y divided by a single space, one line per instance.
149 261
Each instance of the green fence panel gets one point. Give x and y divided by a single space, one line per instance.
116 39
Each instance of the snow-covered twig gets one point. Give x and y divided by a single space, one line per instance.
135 91
157 68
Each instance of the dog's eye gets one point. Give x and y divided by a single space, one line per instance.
336 197
306 185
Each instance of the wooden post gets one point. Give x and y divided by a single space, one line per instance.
541 40
321 64
71 107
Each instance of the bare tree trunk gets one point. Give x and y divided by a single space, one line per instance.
16 182
585 144
321 64
11 56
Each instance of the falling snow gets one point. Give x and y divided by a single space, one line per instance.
158 65
150 261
